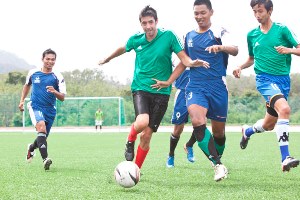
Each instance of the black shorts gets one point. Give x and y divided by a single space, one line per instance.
155 105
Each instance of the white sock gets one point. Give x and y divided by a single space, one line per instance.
282 132
257 127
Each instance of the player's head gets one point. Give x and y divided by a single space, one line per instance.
48 51
262 10
202 13
148 20
49 58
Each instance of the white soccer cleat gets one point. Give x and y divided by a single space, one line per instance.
289 163
30 154
220 172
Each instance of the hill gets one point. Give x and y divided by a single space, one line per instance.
10 62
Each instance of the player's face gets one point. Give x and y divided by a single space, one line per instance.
148 24
261 14
202 16
49 61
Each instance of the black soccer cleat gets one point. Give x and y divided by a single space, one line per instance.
129 151
47 162
245 139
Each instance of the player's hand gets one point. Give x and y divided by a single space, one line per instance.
160 84
283 50
214 48
237 72
199 63
50 89
103 61
21 106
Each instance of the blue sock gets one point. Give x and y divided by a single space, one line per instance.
284 150
249 131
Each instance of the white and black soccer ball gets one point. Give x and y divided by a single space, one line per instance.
127 174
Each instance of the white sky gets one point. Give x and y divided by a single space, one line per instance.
82 32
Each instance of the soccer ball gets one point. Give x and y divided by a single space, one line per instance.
127 174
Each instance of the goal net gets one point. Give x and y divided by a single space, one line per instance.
80 111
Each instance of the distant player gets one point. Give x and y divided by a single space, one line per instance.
270 47
207 94
179 118
153 50
98 119
47 85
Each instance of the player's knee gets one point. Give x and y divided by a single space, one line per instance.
285 111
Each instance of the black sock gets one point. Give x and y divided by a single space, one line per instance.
191 141
42 145
173 143
33 146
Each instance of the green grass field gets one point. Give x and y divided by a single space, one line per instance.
83 165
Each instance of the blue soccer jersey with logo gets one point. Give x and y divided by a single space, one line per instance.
42 105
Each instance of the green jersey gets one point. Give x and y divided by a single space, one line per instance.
99 115
153 59
266 58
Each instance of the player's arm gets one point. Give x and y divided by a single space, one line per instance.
175 74
188 62
119 51
25 91
60 96
286 50
248 63
230 49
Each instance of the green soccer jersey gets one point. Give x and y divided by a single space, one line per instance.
266 58
153 59
99 115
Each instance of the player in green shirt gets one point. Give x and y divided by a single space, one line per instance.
270 47
98 119
153 60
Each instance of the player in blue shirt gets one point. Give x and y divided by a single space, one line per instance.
207 94
47 85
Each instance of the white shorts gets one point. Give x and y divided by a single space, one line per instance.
98 122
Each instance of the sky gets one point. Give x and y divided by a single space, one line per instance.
82 32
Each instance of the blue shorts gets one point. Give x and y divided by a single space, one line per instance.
272 85
38 114
210 94
180 112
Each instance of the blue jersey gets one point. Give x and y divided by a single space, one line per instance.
40 97
182 80
195 45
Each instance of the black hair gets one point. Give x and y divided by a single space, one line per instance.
148 11
267 3
48 51
203 2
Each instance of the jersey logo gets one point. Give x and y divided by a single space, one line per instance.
37 80
190 43
256 44
139 48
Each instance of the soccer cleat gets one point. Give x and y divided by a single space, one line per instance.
47 162
220 172
289 163
170 162
30 154
245 139
189 153
129 151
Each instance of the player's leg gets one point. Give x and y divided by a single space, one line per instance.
157 108
179 118
218 129
141 105
282 132
174 138
202 134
